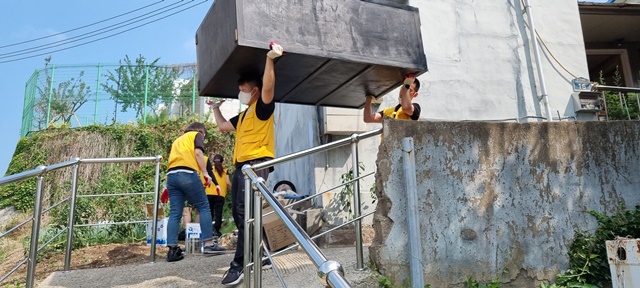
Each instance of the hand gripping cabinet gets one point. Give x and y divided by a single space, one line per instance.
336 51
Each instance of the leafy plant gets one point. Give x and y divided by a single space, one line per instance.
385 282
472 283
346 194
588 264
619 105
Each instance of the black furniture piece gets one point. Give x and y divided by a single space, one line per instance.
336 51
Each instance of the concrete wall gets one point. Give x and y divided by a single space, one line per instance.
500 200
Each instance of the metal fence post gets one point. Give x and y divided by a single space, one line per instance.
146 93
72 213
53 71
248 215
193 96
257 238
95 109
415 249
35 232
154 225
356 201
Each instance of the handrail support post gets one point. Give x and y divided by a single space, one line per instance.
35 233
356 201
72 215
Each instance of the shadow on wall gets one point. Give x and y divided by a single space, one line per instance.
500 200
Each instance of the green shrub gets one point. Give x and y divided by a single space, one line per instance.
588 264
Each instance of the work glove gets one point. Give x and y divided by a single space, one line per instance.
164 197
408 80
276 50
214 105
207 180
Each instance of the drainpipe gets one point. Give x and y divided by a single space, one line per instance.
536 51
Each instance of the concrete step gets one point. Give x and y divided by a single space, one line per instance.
198 270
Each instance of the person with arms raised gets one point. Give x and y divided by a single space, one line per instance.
254 143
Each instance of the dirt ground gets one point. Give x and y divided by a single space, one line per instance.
82 258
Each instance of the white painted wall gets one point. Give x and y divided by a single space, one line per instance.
481 66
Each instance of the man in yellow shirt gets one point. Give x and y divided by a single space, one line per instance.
254 143
404 110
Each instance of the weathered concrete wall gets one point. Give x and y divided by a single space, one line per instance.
500 200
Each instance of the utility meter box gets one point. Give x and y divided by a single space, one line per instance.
336 51
587 101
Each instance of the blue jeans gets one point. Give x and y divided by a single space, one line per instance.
187 186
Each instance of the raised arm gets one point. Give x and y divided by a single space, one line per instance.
269 76
223 124
370 117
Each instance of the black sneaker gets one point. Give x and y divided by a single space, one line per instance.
174 254
234 275
266 263
213 250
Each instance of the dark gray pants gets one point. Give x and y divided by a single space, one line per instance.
237 204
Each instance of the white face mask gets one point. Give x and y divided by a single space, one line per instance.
244 97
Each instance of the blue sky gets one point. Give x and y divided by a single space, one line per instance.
171 39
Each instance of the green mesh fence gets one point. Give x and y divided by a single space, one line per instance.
81 95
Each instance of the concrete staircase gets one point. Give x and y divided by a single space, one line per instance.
198 270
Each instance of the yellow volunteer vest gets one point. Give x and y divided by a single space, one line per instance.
254 138
183 152
397 114
211 190
222 182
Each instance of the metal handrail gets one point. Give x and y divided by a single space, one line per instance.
40 172
617 88
317 149
314 237
115 194
112 223
22 175
620 91
309 198
330 273
16 227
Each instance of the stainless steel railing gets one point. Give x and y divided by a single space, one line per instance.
40 172
330 273
623 94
